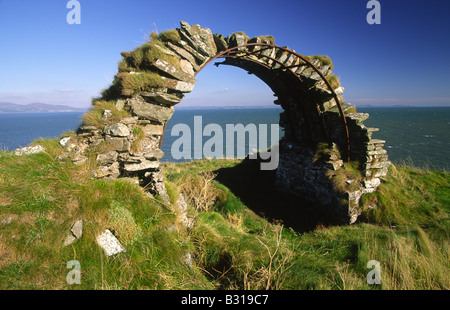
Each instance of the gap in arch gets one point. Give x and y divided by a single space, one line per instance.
224 95
219 97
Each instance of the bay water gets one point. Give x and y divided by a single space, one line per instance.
415 136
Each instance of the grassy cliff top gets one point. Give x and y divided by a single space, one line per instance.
232 244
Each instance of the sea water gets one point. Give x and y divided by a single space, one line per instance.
415 136
20 129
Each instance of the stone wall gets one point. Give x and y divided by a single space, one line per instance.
305 171
121 135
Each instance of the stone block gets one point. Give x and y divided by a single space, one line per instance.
109 243
237 39
184 54
118 144
154 154
153 130
131 158
199 58
148 144
143 165
111 170
179 86
82 129
150 111
129 120
201 39
106 114
187 67
221 43
357 117
117 130
120 103
161 97
173 71
107 158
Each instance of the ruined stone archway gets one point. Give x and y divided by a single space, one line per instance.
125 127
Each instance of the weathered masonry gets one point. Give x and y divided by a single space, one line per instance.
326 155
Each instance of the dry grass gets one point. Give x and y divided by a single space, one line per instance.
138 135
333 80
200 190
95 116
143 57
410 261
347 179
133 83
323 60
170 36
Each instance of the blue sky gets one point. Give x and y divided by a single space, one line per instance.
404 60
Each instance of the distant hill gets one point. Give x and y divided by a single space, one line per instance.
36 108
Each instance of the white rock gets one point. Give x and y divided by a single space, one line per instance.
109 243
106 115
29 150
339 91
374 183
66 143
187 259
118 130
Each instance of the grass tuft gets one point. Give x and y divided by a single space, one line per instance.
137 82
95 117
170 36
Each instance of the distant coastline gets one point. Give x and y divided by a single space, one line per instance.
279 107
226 107
7 108
10 108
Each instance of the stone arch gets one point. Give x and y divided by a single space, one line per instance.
125 127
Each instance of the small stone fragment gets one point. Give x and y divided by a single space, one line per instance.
69 240
77 229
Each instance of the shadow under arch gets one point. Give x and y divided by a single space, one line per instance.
256 189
